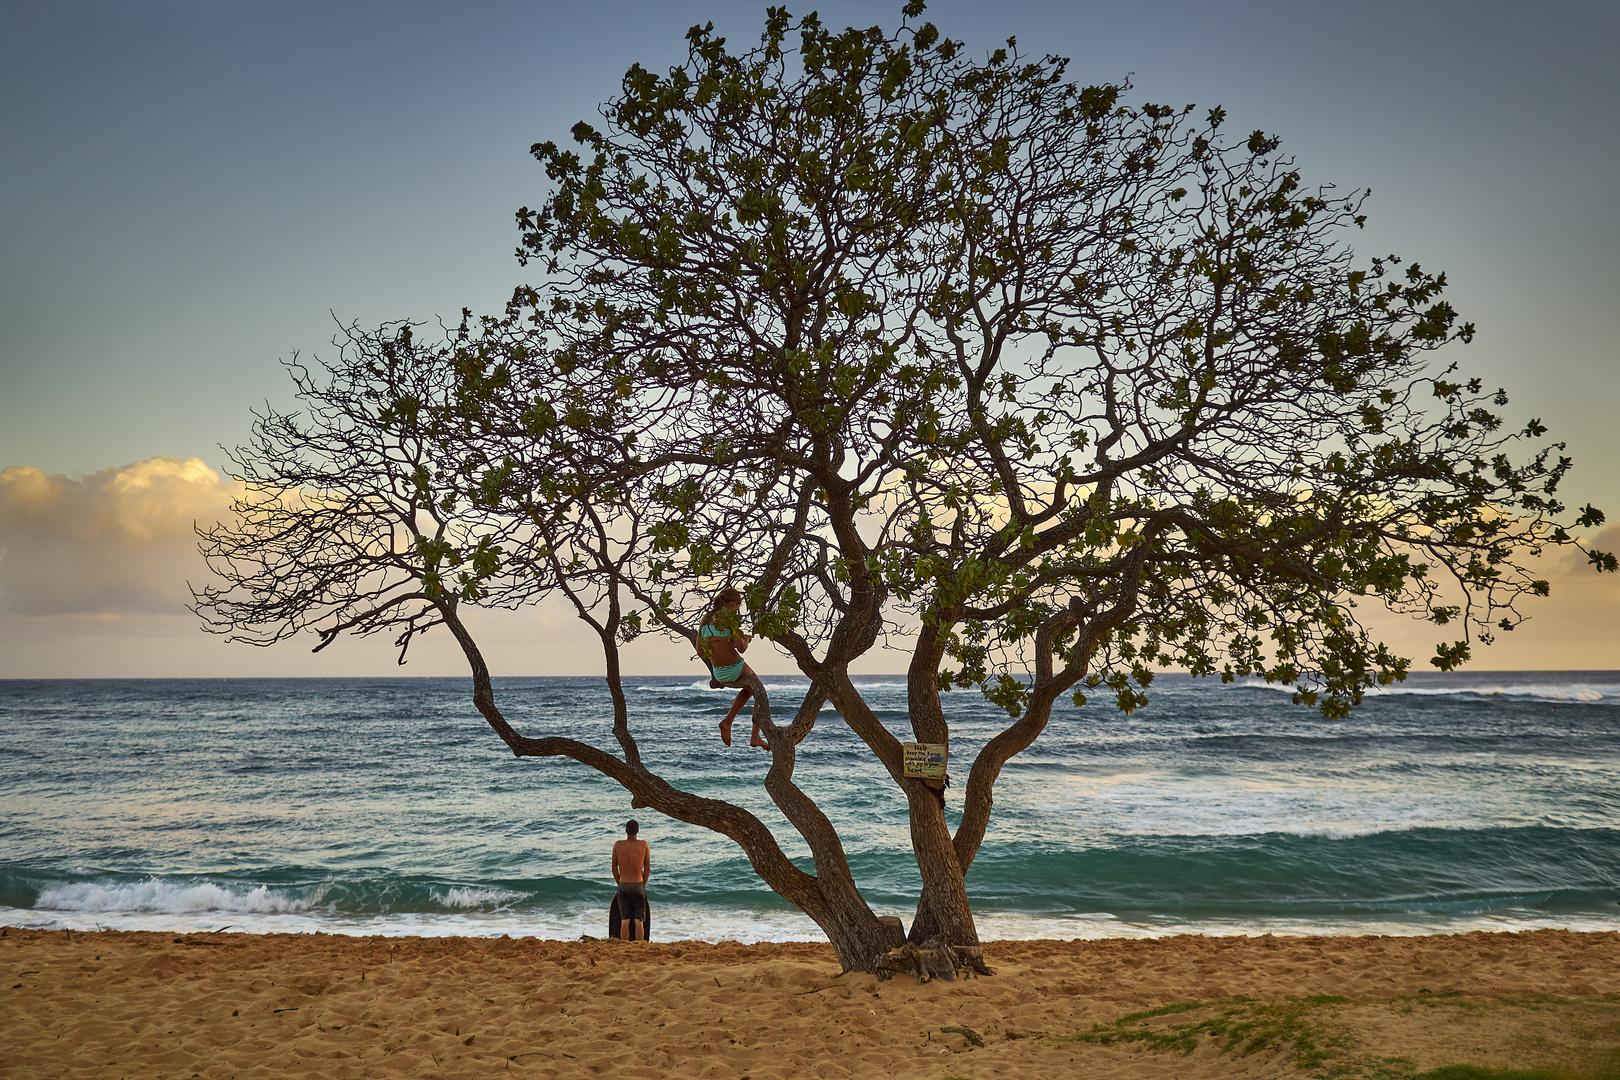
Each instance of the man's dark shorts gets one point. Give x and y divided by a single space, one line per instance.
633 901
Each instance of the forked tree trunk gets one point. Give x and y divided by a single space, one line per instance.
943 936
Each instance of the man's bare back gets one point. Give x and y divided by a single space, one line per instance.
632 861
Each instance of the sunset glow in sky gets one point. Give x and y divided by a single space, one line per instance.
193 190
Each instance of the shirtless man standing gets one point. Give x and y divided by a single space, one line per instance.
632 863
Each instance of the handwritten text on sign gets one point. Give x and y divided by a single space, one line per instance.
924 759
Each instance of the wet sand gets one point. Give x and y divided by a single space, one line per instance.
237 1005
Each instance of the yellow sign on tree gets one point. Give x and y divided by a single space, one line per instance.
925 759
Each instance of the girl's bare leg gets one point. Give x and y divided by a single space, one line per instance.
736 707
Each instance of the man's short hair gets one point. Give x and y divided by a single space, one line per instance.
631 828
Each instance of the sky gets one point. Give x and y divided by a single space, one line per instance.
192 191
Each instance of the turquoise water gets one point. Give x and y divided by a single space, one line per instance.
1457 802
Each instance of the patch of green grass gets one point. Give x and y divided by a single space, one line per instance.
1243 1025
1402 1069
1455 1000
1481 1072
1592 1064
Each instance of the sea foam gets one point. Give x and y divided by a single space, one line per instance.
167 897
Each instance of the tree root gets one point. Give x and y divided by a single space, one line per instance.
933 959
967 1032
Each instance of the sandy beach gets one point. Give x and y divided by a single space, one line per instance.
237 1005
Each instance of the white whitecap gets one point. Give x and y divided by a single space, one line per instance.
1584 692
166 897
470 897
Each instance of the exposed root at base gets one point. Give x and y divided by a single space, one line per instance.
933 959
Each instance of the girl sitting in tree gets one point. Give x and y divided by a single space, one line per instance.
722 642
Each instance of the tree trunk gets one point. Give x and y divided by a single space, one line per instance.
944 912
859 938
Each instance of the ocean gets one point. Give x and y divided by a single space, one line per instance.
1476 801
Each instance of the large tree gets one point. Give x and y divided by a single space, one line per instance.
954 356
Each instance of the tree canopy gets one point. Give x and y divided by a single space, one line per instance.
929 352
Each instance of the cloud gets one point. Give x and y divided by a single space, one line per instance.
93 575
115 543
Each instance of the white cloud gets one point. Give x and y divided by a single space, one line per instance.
112 544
